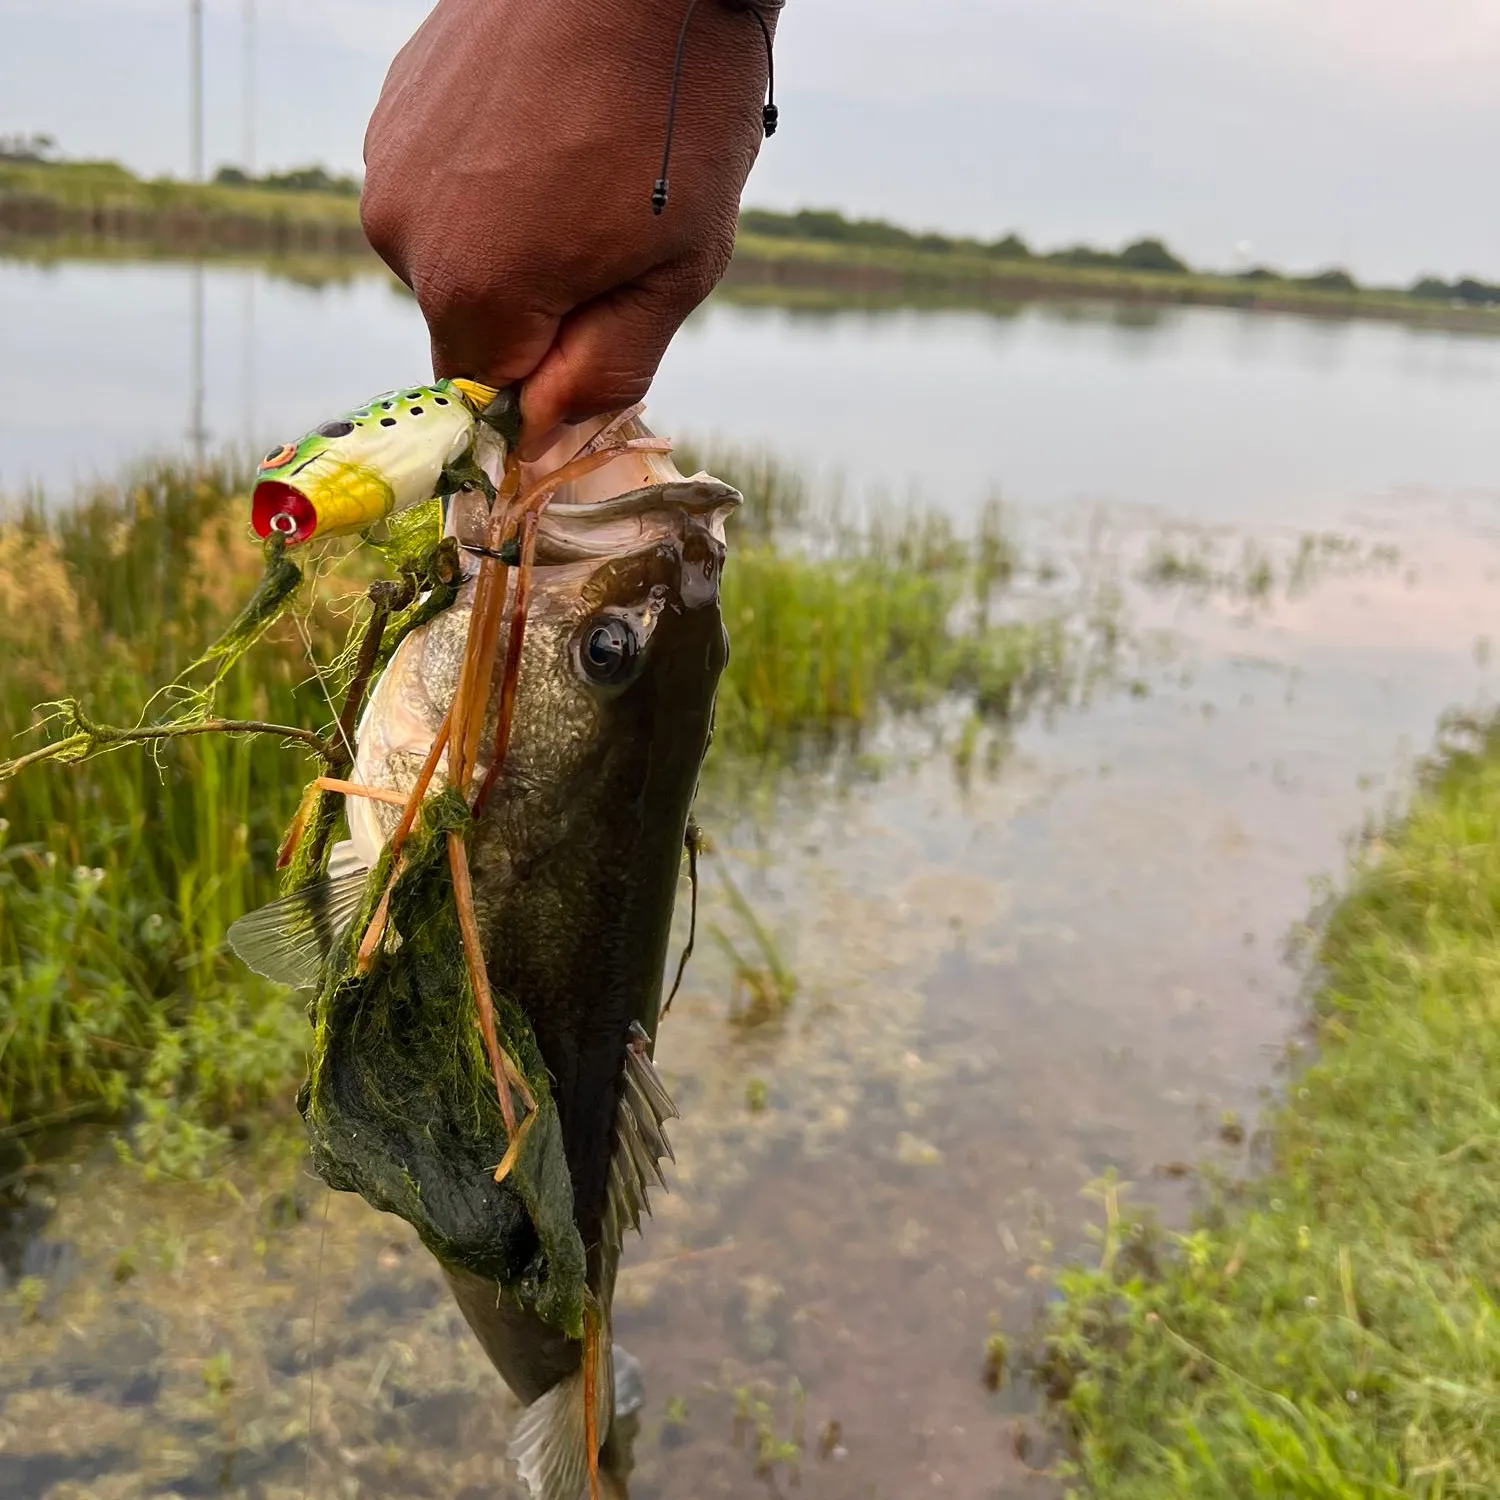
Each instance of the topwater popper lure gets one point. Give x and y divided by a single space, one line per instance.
397 450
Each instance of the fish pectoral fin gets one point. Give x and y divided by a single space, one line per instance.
289 940
549 1445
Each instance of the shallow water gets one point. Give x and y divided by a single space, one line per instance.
1066 961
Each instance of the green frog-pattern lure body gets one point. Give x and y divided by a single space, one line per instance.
395 451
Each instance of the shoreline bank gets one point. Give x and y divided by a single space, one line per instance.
1326 1329
89 210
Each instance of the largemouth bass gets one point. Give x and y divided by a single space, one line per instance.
574 859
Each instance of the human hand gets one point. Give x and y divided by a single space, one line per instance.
509 167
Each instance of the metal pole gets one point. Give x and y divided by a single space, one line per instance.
249 45
195 87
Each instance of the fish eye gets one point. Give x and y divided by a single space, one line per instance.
336 429
608 650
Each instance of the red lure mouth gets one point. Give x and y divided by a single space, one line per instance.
276 508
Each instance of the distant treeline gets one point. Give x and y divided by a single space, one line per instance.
1475 293
1150 254
829 225
298 180
34 148
39 150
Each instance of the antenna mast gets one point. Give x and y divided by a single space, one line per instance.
195 90
248 151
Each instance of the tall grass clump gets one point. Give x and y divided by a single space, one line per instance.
119 878
835 625
1333 1330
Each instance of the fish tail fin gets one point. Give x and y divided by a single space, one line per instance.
556 1442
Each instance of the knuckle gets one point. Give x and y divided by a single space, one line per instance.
697 274
381 218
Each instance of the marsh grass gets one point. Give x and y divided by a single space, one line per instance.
835 624
1331 1329
120 878
763 985
1200 566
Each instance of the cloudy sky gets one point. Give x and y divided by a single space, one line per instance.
1359 132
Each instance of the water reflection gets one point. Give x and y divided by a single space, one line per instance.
248 389
197 433
1205 413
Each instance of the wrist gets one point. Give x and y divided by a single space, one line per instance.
626 48
689 78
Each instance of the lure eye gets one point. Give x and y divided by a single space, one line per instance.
278 456
336 429
608 650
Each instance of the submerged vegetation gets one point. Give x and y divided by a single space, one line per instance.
1329 1330
119 878
1199 565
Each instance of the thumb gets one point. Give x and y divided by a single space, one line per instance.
606 352
480 328
494 344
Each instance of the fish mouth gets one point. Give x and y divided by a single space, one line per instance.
593 530
629 504
280 509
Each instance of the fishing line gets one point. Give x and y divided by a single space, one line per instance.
338 721
694 842
312 1354
769 114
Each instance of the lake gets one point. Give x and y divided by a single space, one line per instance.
1065 959
1213 414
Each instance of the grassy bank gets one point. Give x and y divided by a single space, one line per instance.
101 203
1331 1330
816 258
119 878
964 277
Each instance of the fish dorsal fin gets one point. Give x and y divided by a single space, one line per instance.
640 1070
549 1443
290 939
640 1144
